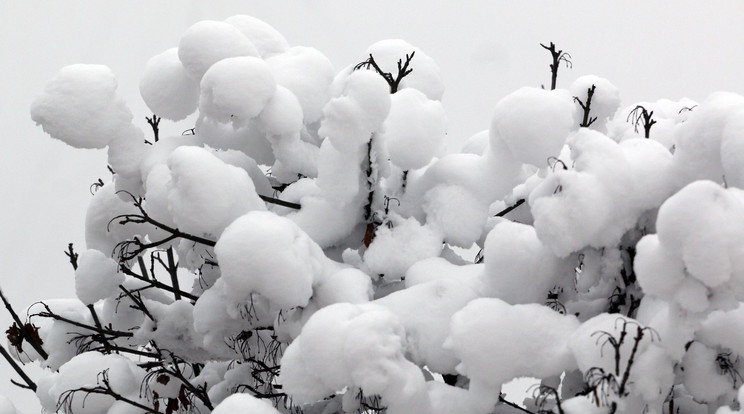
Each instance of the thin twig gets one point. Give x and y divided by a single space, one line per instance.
22 327
507 210
173 271
511 404
29 383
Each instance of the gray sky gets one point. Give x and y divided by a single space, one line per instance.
486 49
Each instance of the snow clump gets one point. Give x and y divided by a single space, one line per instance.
80 107
236 89
167 87
207 42
533 123
96 277
206 194
492 360
414 129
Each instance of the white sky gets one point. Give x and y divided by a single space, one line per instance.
486 49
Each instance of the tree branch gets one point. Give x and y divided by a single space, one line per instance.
508 210
29 383
157 284
22 328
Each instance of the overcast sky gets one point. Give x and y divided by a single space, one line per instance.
486 49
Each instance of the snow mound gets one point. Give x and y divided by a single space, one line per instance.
268 254
394 250
492 360
167 87
350 119
605 100
267 40
695 259
519 268
80 107
414 129
533 123
90 369
698 148
605 193
236 89
206 194
353 346
96 277
207 42
282 114
425 311
308 74
457 213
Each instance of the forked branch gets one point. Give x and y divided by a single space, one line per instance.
558 56
586 107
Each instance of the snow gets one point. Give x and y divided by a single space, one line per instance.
348 120
348 285
345 314
701 377
605 100
6 406
394 250
282 264
244 404
456 213
90 369
282 114
236 89
414 129
102 233
174 329
96 277
126 151
80 107
724 328
426 75
425 311
698 151
519 268
603 195
167 87
732 148
708 244
533 123
308 74
267 40
514 331
353 345
477 144
206 194
207 42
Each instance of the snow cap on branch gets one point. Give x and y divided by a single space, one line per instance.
533 123
167 87
207 42
80 107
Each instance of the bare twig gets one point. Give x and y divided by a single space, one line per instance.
157 284
639 115
70 253
29 383
558 56
507 210
23 328
279 202
587 120
154 123
513 405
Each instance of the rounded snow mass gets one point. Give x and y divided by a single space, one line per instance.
309 245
